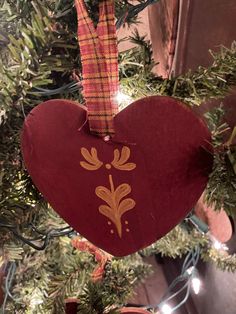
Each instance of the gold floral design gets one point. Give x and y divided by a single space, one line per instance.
116 204
115 207
120 160
93 163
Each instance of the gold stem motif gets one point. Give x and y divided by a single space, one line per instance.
117 205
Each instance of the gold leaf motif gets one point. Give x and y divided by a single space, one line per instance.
93 163
122 191
105 194
116 206
126 205
120 160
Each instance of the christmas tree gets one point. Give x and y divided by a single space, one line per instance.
45 262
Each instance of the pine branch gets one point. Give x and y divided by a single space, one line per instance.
61 272
221 188
192 88
177 243
40 50
220 259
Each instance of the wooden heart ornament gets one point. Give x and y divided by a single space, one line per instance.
124 194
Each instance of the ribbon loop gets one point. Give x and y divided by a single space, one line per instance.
99 55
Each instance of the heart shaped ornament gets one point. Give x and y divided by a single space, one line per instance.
124 194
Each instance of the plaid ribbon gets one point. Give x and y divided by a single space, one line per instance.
99 54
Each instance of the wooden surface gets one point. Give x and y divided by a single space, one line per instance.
163 22
203 25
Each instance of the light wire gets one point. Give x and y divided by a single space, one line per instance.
8 283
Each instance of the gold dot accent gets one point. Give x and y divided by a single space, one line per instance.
112 231
109 223
126 222
127 230
108 166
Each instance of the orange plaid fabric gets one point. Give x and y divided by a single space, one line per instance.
98 47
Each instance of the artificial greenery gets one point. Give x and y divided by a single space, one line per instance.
221 186
40 59
192 88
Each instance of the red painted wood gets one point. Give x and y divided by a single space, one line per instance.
71 306
167 144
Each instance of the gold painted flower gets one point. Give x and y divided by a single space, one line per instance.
120 159
93 163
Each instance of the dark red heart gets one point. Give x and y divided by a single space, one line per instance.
160 169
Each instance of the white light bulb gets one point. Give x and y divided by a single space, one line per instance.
196 284
2 115
190 270
122 99
225 247
36 300
166 309
219 246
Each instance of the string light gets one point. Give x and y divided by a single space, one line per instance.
184 282
2 115
8 283
35 301
195 281
189 277
36 298
217 244
204 228
166 309
196 285
123 100
190 270
181 285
